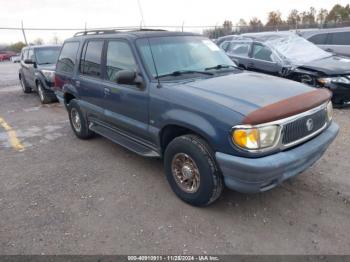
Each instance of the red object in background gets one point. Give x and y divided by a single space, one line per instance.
6 55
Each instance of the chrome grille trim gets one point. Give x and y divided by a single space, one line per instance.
279 146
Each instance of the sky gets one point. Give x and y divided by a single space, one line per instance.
119 13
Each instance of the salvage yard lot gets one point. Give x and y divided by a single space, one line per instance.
62 195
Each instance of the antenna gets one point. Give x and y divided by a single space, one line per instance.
154 63
140 8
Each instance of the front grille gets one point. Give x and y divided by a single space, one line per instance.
301 127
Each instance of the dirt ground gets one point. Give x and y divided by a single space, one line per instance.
61 195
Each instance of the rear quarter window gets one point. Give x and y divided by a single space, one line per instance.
67 58
319 39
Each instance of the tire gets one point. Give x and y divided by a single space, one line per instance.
25 87
43 95
191 156
78 121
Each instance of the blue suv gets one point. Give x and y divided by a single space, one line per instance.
177 96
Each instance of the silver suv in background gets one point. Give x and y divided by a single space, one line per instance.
334 40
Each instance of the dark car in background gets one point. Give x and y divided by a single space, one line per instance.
37 70
288 55
334 40
179 97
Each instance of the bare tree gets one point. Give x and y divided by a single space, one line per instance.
274 19
293 18
38 41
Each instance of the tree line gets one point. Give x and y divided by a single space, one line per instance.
336 17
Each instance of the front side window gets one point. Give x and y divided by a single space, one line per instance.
45 56
262 52
181 53
90 63
119 57
31 54
24 54
341 38
66 60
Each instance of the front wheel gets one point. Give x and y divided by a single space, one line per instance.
191 170
43 95
25 87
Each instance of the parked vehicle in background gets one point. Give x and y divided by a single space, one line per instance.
288 55
334 40
16 58
37 70
179 97
6 55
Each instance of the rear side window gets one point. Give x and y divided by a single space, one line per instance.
66 60
319 39
341 38
119 57
238 49
90 63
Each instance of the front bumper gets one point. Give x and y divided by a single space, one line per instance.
254 175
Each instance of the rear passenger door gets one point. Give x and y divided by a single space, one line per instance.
238 51
126 106
89 78
339 43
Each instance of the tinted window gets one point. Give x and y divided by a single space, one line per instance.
341 38
319 39
262 53
66 60
238 48
119 57
90 63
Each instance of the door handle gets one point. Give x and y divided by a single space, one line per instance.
329 50
250 64
107 91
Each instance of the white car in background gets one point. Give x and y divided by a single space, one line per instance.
16 58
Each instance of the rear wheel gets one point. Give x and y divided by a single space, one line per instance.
25 87
191 170
78 121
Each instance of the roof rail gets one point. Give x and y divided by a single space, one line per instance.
113 31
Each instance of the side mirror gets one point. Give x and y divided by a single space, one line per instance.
29 61
128 77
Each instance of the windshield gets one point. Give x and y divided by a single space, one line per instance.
296 49
47 55
180 54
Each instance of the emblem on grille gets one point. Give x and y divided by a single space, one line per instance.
309 124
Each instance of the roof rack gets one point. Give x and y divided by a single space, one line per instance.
113 31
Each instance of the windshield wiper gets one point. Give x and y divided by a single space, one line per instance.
183 72
221 66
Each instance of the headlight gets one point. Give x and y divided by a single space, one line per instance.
329 111
337 80
255 138
49 75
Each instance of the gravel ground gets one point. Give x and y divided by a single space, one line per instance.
62 195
